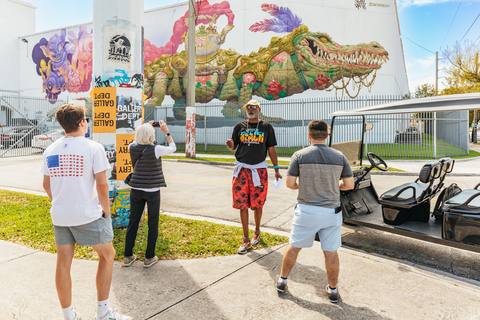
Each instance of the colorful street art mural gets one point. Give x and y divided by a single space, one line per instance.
299 61
65 65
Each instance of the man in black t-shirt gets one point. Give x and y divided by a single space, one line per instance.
251 139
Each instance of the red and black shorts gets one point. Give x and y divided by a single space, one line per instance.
245 194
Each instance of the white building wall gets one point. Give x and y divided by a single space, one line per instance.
17 18
340 19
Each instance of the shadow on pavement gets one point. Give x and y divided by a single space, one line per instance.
152 293
301 280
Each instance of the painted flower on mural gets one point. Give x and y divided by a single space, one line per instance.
204 80
200 42
321 82
275 89
280 58
249 78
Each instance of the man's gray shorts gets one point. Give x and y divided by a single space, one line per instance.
90 234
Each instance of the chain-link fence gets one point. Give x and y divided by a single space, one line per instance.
27 125
426 135
419 135
289 117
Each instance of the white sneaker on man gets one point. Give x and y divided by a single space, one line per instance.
114 315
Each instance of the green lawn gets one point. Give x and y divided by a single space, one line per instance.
25 219
222 149
388 151
425 150
213 159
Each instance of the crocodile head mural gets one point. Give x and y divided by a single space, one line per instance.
299 61
324 61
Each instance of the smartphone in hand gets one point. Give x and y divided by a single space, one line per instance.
156 124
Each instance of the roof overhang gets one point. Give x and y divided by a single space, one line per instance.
454 102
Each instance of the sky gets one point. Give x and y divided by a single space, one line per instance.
427 26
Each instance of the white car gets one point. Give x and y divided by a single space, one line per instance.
42 141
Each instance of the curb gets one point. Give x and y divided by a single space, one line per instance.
392 173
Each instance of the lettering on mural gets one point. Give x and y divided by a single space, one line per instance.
129 110
135 81
373 4
104 110
100 83
112 159
103 123
124 163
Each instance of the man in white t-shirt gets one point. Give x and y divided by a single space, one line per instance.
75 180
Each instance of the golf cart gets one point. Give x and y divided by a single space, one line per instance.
406 209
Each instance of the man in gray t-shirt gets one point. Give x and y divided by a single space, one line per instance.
319 173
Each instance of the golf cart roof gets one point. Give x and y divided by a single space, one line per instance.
454 102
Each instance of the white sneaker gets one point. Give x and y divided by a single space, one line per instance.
77 316
114 315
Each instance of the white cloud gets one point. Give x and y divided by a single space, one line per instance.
421 71
408 3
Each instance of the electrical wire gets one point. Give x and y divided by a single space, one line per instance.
171 18
451 23
475 40
470 27
403 36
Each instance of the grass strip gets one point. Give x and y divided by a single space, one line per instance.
280 163
25 220
213 159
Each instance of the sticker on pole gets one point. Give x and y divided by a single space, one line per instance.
104 109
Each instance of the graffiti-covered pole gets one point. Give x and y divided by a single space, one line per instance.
117 90
190 111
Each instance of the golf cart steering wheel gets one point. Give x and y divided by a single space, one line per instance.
376 161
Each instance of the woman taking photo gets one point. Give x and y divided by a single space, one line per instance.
146 180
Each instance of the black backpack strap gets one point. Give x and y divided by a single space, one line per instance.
438 210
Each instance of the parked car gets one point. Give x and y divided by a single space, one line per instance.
20 137
42 141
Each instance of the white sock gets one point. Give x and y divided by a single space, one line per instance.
102 308
284 280
332 290
69 313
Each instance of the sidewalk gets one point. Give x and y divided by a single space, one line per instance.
242 287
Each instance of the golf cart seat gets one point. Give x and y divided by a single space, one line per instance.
411 201
461 218
410 194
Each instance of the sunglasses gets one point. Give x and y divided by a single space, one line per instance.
252 107
86 119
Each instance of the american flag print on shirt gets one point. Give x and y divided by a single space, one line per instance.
65 165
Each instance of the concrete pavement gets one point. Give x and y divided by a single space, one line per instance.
241 287
406 283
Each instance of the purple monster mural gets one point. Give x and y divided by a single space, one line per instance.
64 65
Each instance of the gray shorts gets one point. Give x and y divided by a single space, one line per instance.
90 234
309 220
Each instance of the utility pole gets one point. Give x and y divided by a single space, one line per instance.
190 91
436 74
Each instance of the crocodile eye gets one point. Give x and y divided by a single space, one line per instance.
324 39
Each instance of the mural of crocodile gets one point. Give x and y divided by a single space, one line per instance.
300 61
